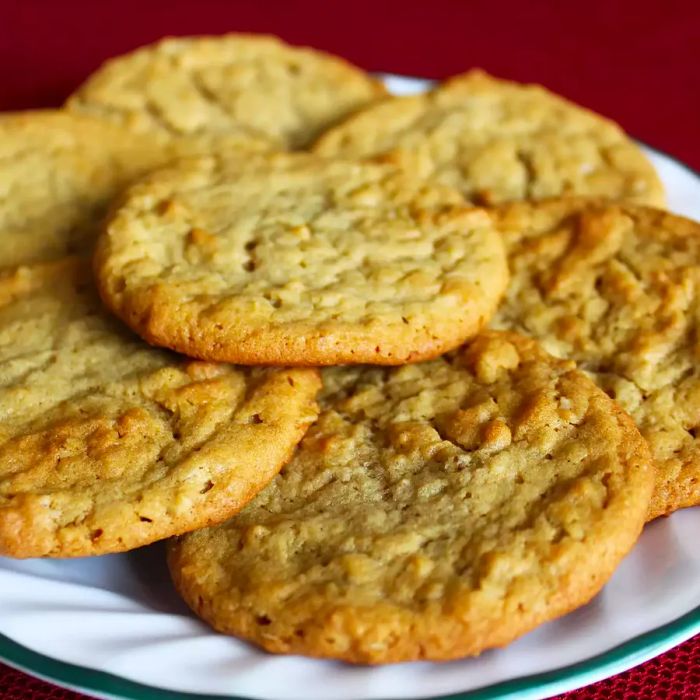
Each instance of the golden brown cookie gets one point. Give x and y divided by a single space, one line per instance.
58 173
433 511
107 444
212 84
498 141
296 260
616 289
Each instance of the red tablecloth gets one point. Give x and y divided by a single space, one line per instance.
638 63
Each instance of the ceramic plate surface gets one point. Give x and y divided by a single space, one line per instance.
113 627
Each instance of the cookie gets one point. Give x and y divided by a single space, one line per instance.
499 141
107 444
616 289
295 260
433 511
59 171
213 84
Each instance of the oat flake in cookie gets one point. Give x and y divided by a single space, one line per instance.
498 141
214 84
616 289
433 511
107 444
291 259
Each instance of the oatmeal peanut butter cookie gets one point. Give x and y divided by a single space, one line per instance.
58 172
433 511
295 260
107 444
498 141
213 84
616 288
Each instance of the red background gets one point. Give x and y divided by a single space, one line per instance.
637 62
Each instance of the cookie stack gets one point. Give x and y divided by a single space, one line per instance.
402 378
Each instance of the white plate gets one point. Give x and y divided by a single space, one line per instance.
113 627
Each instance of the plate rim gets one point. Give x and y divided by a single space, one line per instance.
616 660
545 684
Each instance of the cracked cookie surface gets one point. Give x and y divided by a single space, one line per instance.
213 84
295 260
107 444
615 288
58 173
498 141
433 511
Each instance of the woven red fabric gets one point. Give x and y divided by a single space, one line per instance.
674 675
635 62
